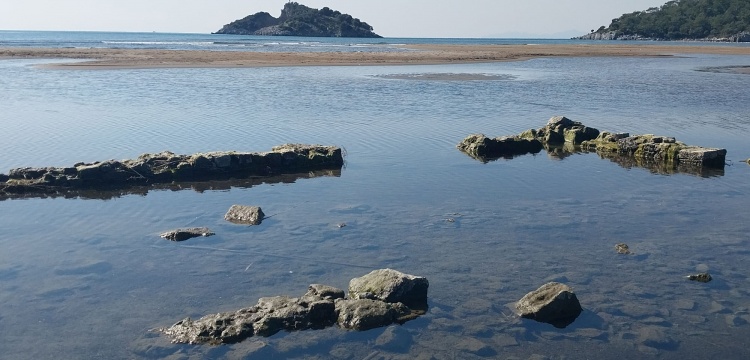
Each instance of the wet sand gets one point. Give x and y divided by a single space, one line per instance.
411 55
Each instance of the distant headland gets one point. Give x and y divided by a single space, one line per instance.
701 20
300 20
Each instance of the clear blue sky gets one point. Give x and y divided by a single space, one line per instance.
390 18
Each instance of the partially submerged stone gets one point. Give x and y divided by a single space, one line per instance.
246 215
366 314
552 303
702 277
390 286
167 167
184 234
562 136
321 306
483 148
622 248
657 149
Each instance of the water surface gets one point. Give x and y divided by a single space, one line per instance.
90 278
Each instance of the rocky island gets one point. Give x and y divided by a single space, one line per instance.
300 20
699 20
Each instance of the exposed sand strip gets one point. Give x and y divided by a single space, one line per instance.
417 54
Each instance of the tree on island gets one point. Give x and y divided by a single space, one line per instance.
684 19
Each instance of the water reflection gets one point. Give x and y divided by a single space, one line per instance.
560 152
197 186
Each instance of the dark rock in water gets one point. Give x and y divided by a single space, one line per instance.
366 314
390 286
320 307
623 248
553 303
184 234
247 215
167 168
484 149
702 277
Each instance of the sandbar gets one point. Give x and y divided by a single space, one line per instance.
99 58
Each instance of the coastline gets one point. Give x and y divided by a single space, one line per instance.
98 58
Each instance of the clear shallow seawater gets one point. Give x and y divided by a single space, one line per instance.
89 278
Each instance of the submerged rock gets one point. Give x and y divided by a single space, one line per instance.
184 234
553 303
702 277
167 167
247 215
320 307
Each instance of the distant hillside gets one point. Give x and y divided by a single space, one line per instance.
300 20
719 20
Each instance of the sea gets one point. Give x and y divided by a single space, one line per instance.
88 276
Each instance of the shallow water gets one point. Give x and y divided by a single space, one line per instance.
89 278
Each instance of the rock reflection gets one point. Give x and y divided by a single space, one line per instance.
104 193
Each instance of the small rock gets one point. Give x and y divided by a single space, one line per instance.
475 347
246 215
702 277
325 292
184 234
395 338
553 303
622 248
340 225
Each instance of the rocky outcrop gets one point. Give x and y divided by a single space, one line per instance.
168 168
552 303
322 306
300 20
184 234
245 215
561 137
487 149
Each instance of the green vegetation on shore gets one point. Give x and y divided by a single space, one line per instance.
300 20
683 19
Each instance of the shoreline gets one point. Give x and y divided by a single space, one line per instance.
94 58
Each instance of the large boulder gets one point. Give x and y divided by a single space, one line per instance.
390 286
552 303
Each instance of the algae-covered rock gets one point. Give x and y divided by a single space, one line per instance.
552 303
390 286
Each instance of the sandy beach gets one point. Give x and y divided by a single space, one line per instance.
415 54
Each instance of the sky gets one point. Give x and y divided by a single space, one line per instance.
390 18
